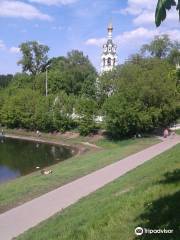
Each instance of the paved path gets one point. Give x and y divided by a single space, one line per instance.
176 127
18 220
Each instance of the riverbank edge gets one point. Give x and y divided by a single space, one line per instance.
77 148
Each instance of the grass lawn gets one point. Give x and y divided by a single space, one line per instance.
148 196
22 189
178 131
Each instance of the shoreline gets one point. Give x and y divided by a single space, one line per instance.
80 146
36 139
78 150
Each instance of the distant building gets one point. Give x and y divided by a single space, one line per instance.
109 56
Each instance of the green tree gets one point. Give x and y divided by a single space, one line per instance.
174 55
43 116
34 59
5 80
135 58
146 98
72 74
159 47
107 85
62 112
39 83
89 86
19 108
21 81
86 109
161 9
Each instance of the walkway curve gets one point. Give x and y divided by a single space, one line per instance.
18 220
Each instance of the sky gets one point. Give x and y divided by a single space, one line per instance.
64 25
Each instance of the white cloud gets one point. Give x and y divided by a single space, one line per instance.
57 28
129 37
14 50
144 12
2 45
130 42
95 41
147 17
136 7
144 18
54 2
21 9
136 36
173 34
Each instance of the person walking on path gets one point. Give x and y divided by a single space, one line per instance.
166 133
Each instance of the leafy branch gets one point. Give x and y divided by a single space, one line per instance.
162 7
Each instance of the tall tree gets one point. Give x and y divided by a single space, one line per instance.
146 98
174 55
34 57
162 7
162 47
72 74
159 47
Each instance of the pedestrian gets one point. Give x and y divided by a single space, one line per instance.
166 133
38 133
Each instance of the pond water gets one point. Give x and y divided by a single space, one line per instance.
19 157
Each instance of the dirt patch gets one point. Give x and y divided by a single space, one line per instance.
123 191
95 137
69 135
90 145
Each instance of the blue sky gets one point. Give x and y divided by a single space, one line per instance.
64 25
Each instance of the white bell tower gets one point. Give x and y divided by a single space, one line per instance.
109 56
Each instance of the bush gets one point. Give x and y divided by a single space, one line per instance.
62 112
19 108
87 111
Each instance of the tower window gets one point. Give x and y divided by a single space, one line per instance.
109 61
114 62
104 61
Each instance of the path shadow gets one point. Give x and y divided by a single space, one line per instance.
163 213
171 177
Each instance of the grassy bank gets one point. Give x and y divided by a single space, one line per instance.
56 137
22 189
178 131
147 196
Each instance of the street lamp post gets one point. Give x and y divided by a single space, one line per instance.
47 80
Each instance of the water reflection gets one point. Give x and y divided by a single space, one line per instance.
8 174
19 157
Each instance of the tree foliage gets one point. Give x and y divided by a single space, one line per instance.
138 96
161 10
34 57
19 108
146 98
159 47
63 107
87 112
5 80
162 47
74 74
